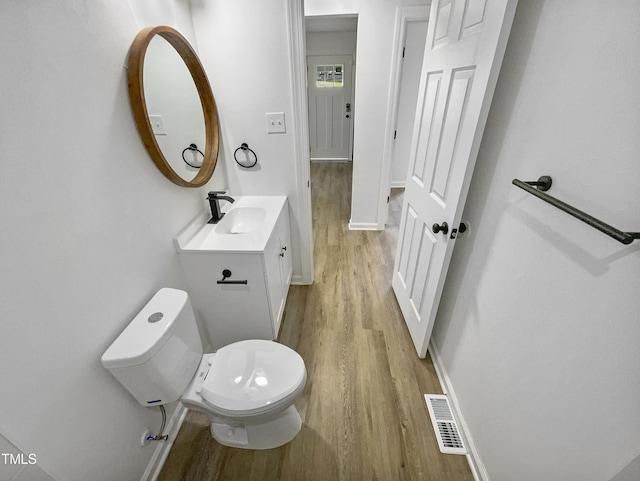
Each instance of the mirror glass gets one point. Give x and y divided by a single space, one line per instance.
173 106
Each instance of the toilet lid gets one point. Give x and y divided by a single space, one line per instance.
252 374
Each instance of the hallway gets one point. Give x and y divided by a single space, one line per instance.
364 415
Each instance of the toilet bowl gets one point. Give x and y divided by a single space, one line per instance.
246 388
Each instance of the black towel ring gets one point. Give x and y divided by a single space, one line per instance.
192 148
245 147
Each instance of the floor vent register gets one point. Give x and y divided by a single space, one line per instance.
444 425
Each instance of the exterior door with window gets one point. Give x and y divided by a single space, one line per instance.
466 40
330 106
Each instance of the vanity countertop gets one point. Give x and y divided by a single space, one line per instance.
234 233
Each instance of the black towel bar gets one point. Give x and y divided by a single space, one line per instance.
543 184
226 273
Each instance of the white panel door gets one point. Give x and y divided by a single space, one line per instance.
466 40
330 112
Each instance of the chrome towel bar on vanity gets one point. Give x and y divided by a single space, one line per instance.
538 189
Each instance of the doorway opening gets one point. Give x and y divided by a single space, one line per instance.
331 56
408 53
412 44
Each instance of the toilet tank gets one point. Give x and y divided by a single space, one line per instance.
158 353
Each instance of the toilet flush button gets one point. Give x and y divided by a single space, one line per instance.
231 432
155 317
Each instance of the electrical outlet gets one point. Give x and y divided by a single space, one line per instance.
157 125
275 123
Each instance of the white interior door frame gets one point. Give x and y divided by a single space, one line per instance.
301 217
404 15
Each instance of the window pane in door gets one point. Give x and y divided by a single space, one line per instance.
320 76
337 76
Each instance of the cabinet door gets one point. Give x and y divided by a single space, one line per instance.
278 267
275 288
286 266
229 312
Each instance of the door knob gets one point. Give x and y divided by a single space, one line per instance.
444 228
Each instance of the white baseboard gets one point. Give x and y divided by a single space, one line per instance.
473 458
320 160
364 226
298 280
162 450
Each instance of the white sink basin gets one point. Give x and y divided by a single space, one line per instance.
241 220
246 226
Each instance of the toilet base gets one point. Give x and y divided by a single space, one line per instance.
271 433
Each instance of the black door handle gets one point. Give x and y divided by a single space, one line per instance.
444 228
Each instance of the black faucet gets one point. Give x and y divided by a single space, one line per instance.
214 197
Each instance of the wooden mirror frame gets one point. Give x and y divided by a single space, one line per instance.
135 77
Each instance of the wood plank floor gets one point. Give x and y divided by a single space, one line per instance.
363 411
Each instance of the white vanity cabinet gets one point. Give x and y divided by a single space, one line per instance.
228 308
278 269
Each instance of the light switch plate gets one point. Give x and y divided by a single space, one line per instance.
275 123
157 125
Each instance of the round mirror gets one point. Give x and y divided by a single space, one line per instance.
173 106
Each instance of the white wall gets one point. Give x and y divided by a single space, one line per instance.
331 43
376 24
87 225
244 48
631 472
538 326
16 465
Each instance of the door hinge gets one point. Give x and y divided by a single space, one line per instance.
388 199
403 48
395 132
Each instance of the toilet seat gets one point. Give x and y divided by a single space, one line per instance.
251 377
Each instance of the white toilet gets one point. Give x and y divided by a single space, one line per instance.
247 388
